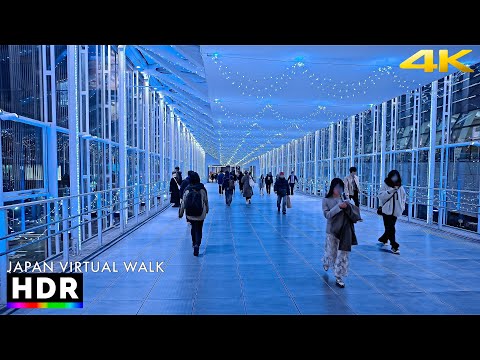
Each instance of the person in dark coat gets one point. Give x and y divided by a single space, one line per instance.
240 176
282 189
196 221
179 174
184 185
268 182
174 190
247 188
220 182
227 189
337 256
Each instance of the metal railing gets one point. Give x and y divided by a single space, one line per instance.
445 201
67 226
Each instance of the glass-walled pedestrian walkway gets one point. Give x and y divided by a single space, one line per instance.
431 135
88 142
254 260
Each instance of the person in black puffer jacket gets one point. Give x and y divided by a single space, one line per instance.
282 189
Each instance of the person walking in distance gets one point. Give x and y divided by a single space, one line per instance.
392 198
240 183
336 252
268 182
183 186
261 183
220 182
174 190
195 205
282 189
228 187
179 174
352 186
247 187
234 176
292 179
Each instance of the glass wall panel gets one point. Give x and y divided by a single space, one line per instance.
21 79
22 156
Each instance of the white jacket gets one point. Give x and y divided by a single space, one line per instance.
395 204
348 181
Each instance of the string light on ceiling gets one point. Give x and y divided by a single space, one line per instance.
267 86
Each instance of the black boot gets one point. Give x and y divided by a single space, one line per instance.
195 250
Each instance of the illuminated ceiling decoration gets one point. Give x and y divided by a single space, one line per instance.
178 73
265 96
267 86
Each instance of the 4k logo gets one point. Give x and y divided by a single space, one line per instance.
443 61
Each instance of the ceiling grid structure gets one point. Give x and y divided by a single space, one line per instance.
241 101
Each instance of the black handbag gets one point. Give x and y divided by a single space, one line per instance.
379 209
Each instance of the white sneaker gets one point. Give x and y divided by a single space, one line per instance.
396 251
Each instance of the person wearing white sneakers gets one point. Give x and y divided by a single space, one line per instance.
392 196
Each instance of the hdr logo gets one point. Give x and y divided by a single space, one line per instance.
44 291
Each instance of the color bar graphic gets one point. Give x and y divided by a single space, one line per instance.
45 305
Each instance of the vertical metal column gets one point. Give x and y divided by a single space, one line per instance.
172 141
305 158
431 153
296 162
74 149
178 138
315 163
122 130
162 140
330 150
414 167
444 151
351 150
3 243
289 166
146 123
383 140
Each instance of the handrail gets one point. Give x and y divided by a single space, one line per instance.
38 202
114 204
81 223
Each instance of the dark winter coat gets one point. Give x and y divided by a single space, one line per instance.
281 187
174 191
184 185
198 187
247 189
268 180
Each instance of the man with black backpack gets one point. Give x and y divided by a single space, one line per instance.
229 187
195 205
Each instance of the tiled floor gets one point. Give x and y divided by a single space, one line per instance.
256 261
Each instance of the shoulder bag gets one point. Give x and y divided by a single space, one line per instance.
379 209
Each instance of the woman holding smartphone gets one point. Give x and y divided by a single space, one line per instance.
332 205
392 198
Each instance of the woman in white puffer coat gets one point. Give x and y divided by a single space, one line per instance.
392 198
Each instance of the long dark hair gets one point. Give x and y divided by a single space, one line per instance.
194 178
335 182
389 181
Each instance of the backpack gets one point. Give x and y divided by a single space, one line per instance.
194 203
231 184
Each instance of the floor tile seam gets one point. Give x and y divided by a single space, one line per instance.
290 295
242 290
195 295
415 265
174 251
